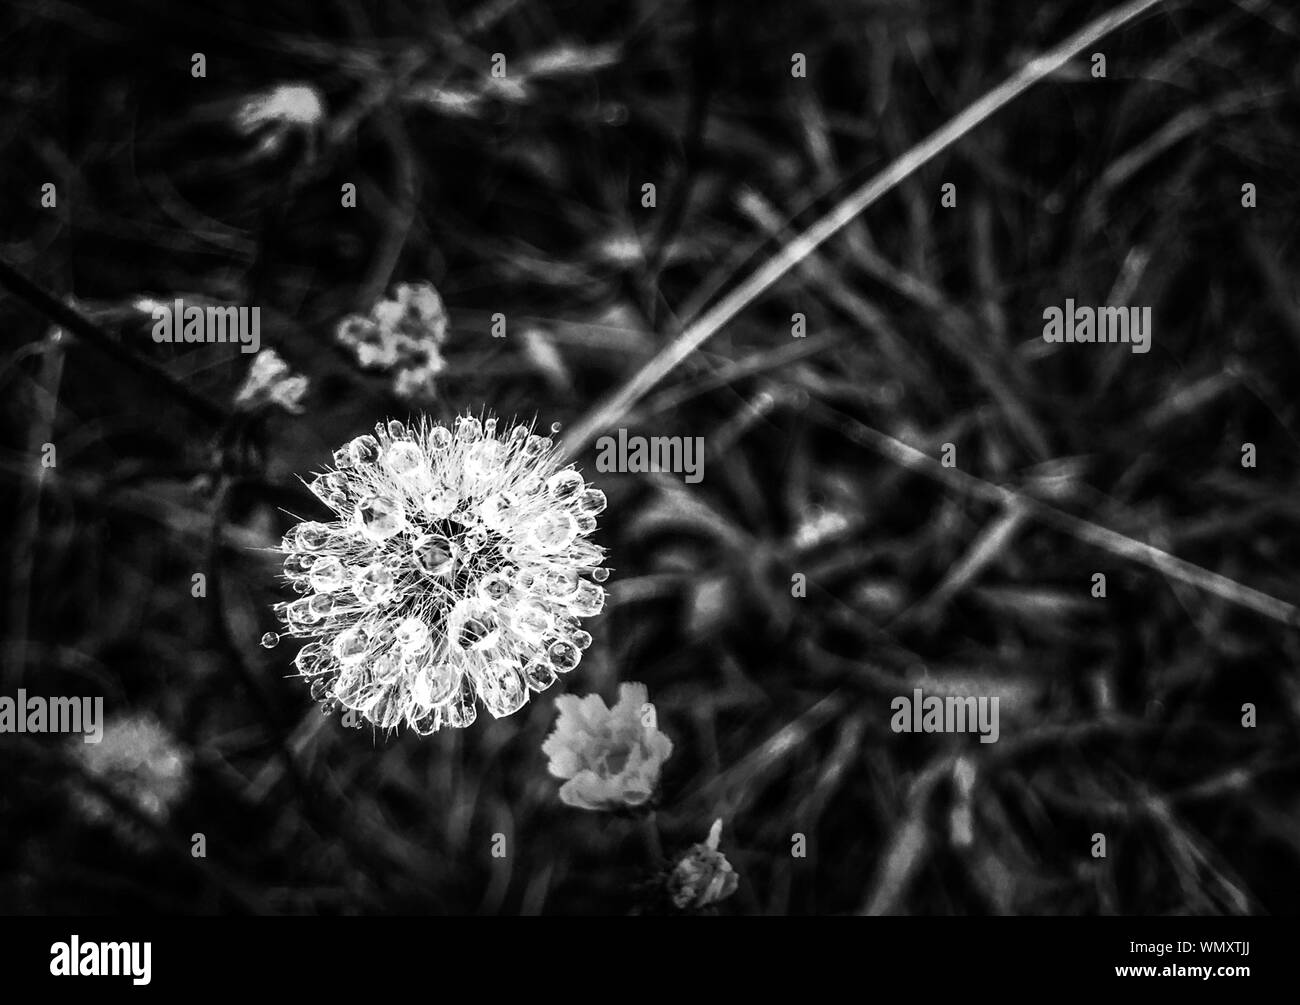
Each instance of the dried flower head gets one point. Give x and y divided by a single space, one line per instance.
703 876
138 759
457 567
611 757
270 383
402 335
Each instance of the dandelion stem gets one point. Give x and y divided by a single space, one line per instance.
650 833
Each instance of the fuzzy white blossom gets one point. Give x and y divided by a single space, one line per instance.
276 114
456 568
140 761
270 382
611 758
402 335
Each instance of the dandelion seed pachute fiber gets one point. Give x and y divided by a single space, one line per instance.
456 571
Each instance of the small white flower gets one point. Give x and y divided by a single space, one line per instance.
271 382
138 759
703 876
610 757
402 334
456 568
288 105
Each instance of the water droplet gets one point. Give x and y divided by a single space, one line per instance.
564 484
311 536
535 446
440 437
517 435
374 584
403 458
461 711
439 503
553 531
562 582
321 686
563 656
396 430
468 429
321 605
364 449
530 620
494 588
442 680
386 668
502 687
600 575
435 555
588 600
297 566
299 614
353 689
499 509
312 659
489 427
539 675
350 646
583 552
585 522
328 488
476 540
592 501
474 634
412 634
327 574
555 428
380 517
581 639
386 711
342 459
428 723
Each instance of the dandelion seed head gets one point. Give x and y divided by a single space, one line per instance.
453 573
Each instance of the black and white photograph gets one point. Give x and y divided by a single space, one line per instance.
673 458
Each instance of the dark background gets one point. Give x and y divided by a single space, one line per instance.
1119 715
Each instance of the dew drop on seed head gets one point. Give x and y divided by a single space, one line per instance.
270 640
396 430
434 554
374 584
468 429
327 574
563 656
592 501
440 437
564 484
380 517
403 457
600 575
555 428
350 646
364 449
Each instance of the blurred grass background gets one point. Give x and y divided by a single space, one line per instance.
523 196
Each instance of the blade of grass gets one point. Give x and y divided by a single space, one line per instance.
711 322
